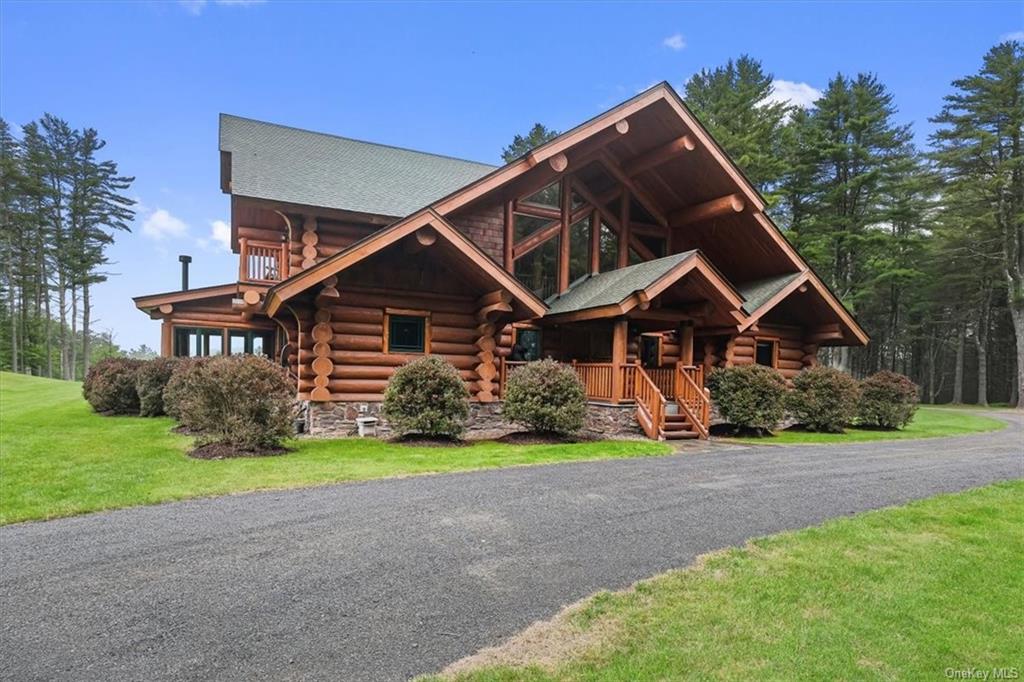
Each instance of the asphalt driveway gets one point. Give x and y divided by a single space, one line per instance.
387 579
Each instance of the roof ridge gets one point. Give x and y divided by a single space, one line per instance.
353 139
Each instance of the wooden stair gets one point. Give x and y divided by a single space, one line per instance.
678 427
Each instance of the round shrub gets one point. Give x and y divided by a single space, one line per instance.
150 382
240 401
109 386
888 400
546 396
749 396
427 397
823 399
179 385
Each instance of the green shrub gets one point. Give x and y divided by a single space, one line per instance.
749 396
823 399
178 386
545 396
150 382
887 400
428 397
242 401
109 386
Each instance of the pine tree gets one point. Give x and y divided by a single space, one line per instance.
978 149
522 145
733 102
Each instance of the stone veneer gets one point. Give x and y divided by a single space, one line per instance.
336 419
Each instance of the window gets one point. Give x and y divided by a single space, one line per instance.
767 353
527 345
538 269
193 343
579 249
406 334
609 248
656 245
251 342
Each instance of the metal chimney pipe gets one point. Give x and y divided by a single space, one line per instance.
185 260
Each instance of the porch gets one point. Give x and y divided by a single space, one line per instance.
671 402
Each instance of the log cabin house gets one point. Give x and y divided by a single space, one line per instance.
630 246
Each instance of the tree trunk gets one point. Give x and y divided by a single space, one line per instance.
981 343
1017 315
62 303
72 344
86 345
12 297
958 369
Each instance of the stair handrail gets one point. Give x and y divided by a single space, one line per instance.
650 404
701 416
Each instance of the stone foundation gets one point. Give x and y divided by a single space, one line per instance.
338 419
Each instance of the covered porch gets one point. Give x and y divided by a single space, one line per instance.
629 335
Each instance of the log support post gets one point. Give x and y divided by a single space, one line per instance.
686 343
323 334
490 309
623 255
730 352
564 246
166 339
620 332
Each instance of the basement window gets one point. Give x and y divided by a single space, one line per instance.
407 334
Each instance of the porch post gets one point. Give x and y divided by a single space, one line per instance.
686 343
619 334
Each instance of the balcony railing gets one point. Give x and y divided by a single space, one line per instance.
262 261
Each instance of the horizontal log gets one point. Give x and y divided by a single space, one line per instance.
346 313
357 342
418 302
361 328
791 364
451 335
791 354
447 348
747 351
464 320
348 357
745 341
727 205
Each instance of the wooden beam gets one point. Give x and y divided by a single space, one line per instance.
653 158
595 241
559 162
563 235
509 239
731 203
167 308
686 344
624 233
622 127
536 210
651 206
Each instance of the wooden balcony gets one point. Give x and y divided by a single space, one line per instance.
262 261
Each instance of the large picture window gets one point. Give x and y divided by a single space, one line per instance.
250 342
538 269
407 333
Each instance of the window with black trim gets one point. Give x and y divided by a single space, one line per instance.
527 345
407 334
766 352
190 342
250 342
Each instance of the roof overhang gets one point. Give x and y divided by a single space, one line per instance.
638 303
427 223
151 302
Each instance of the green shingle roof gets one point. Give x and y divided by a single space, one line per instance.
609 288
279 163
757 292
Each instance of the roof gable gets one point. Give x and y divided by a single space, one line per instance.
279 163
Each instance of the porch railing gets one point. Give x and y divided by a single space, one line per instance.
597 378
650 405
262 261
693 399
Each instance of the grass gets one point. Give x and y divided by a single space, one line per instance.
901 593
929 422
58 458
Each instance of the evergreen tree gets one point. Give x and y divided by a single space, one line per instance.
732 101
522 145
978 149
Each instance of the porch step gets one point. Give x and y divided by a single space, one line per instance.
679 435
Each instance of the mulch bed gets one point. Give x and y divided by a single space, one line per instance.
532 438
222 451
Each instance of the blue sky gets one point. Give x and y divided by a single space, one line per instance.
458 79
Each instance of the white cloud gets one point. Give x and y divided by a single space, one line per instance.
798 94
674 42
220 236
160 224
1015 35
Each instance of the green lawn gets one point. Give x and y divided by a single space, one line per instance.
929 422
901 593
58 458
